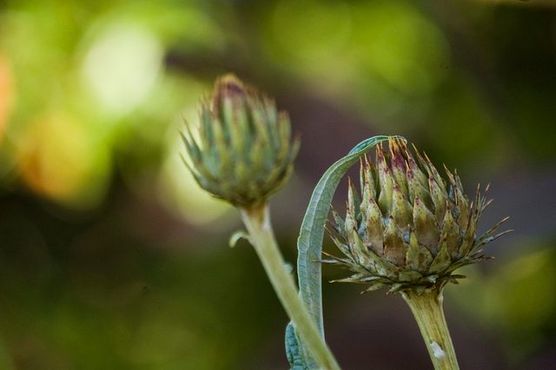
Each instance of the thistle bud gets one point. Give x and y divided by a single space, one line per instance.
416 228
244 151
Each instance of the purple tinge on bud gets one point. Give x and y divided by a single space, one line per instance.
227 87
398 164
244 150
413 227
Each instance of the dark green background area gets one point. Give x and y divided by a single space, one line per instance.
109 259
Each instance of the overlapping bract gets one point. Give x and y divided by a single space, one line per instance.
244 151
410 228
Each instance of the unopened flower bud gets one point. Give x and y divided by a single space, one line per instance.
244 151
415 227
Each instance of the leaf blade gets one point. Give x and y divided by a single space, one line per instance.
311 235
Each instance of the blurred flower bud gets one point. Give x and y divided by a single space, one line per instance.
412 229
244 151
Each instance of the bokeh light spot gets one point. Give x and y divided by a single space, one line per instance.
122 67
58 159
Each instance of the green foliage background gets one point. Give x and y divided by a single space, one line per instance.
111 258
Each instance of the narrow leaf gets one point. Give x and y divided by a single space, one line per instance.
309 243
294 352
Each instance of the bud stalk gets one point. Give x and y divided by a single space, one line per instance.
429 314
257 222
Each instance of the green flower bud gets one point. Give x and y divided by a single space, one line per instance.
244 151
413 228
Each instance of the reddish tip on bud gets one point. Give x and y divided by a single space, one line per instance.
228 86
417 228
244 151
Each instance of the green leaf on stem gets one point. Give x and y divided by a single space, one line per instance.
309 245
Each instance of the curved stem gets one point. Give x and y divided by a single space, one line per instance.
257 222
429 314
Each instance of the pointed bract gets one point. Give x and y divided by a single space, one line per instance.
244 151
412 232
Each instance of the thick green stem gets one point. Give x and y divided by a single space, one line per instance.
257 222
429 314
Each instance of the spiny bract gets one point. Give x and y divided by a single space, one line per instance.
411 229
244 151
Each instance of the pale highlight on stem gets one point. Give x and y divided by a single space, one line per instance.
429 314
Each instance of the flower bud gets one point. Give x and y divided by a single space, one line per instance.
244 151
413 229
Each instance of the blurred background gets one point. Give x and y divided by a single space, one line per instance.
112 258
